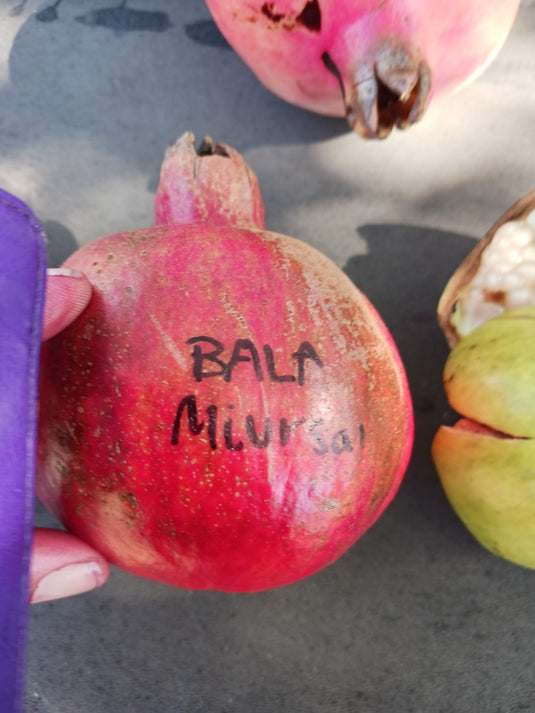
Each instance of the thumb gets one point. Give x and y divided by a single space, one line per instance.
61 565
67 294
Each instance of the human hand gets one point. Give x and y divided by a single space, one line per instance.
62 565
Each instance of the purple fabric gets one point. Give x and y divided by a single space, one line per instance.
22 285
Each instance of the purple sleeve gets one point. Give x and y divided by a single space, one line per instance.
22 286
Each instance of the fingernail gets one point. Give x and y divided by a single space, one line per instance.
64 272
69 580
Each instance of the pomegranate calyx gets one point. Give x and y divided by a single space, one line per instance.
212 184
391 91
208 148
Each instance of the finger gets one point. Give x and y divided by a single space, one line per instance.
61 565
67 294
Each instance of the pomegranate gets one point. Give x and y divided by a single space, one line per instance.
377 62
498 274
229 412
486 461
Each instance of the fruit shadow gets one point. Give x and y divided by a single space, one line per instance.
110 79
403 273
60 242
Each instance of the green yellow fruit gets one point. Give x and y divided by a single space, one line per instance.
490 483
486 462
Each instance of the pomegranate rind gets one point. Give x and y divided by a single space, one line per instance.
467 270
187 514
490 483
490 375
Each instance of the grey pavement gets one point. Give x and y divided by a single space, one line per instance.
416 617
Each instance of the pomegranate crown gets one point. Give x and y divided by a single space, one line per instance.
212 184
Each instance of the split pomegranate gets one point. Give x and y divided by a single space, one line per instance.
377 62
229 412
486 461
497 275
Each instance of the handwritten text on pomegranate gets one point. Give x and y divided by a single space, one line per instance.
208 361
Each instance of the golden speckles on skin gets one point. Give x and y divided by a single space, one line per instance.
131 499
230 308
328 504
88 330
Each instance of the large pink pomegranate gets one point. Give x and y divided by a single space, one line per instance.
377 62
229 412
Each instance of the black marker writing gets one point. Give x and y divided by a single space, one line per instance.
208 360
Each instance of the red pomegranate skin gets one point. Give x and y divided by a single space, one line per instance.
229 412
